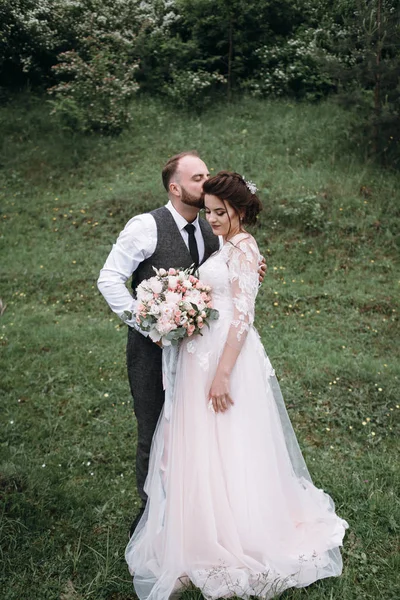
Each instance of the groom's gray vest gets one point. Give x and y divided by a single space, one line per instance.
171 250
143 356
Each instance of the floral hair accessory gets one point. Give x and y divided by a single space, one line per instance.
250 186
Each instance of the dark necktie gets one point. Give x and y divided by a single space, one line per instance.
194 251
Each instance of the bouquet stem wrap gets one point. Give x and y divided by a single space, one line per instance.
169 363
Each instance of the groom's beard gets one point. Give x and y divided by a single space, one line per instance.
190 200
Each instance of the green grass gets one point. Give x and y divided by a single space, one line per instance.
327 313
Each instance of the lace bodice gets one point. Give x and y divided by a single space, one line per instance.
232 274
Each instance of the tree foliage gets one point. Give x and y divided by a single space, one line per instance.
363 42
95 54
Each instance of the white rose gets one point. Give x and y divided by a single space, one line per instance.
143 295
154 310
166 311
172 282
172 298
193 296
165 326
162 272
187 284
155 285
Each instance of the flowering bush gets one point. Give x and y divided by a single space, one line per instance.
189 88
172 305
291 69
96 88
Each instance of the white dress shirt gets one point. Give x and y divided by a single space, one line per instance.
136 242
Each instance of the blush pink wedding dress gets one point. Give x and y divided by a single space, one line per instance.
231 506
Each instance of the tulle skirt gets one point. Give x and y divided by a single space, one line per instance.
232 508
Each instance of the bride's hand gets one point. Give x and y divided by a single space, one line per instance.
219 396
262 269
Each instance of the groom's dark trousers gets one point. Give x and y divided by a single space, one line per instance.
144 356
145 379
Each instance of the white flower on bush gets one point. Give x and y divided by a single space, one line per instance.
188 86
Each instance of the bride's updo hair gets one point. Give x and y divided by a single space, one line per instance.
231 187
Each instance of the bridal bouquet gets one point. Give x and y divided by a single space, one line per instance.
172 305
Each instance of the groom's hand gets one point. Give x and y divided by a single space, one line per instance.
262 269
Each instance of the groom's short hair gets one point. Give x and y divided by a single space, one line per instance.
171 166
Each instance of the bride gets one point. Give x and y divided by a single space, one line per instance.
231 506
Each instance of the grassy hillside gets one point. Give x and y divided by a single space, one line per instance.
327 313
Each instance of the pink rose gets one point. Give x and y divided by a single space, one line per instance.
171 271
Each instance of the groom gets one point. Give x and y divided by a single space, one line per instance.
170 236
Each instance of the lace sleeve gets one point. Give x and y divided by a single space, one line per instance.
243 262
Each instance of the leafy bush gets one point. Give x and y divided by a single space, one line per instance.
305 212
96 88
